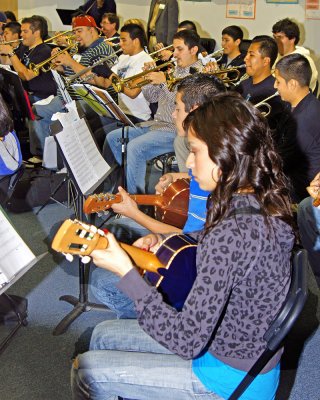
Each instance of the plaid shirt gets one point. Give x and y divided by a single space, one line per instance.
163 120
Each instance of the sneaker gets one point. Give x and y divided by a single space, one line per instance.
35 160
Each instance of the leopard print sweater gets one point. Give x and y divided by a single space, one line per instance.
242 262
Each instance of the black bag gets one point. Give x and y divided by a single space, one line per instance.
34 189
7 312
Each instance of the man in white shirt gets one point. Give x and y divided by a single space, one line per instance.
287 35
132 102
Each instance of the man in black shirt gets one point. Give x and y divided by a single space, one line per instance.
259 60
38 85
293 75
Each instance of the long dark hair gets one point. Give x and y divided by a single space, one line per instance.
240 143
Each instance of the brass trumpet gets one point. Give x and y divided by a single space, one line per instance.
57 36
36 68
172 81
264 103
138 80
11 41
154 53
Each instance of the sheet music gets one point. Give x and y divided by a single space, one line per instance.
61 86
101 102
87 164
15 255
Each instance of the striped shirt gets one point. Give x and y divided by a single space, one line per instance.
163 120
97 50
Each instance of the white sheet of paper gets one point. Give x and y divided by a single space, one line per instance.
87 164
14 253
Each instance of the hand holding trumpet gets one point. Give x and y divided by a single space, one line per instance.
155 78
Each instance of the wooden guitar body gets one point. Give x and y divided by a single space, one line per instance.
171 207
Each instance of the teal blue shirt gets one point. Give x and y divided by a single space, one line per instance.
222 379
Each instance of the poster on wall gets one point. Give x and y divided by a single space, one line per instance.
242 9
312 9
283 1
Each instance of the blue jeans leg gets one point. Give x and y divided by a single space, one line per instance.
39 129
103 286
143 145
105 374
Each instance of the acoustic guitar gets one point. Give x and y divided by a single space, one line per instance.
171 206
172 269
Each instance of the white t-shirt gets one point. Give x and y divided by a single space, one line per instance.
126 67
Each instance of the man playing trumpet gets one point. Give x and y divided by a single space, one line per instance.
39 86
87 36
156 137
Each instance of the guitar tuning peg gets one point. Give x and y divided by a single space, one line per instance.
68 256
93 229
101 232
85 259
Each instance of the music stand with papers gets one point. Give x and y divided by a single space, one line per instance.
15 260
102 102
87 170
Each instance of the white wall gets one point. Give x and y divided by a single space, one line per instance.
209 16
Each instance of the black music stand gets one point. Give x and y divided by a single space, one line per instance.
102 102
16 261
80 304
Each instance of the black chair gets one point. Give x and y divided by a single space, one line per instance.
208 44
244 45
165 162
283 323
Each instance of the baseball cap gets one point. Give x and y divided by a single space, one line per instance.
84 20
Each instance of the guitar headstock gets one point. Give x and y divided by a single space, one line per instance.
75 237
100 202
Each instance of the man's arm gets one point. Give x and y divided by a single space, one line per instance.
129 208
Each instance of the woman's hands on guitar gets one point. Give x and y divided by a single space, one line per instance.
112 258
149 242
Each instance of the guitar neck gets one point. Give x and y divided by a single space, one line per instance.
148 199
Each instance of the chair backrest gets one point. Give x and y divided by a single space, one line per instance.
244 45
208 44
284 321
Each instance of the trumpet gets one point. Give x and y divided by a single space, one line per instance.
70 79
172 81
57 36
154 53
11 41
138 80
36 68
264 103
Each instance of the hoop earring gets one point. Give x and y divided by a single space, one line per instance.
212 171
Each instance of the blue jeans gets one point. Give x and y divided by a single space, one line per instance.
124 361
309 228
103 283
143 145
40 129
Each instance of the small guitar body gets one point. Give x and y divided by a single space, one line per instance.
175 280
171 207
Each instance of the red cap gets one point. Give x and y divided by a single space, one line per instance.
84 20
